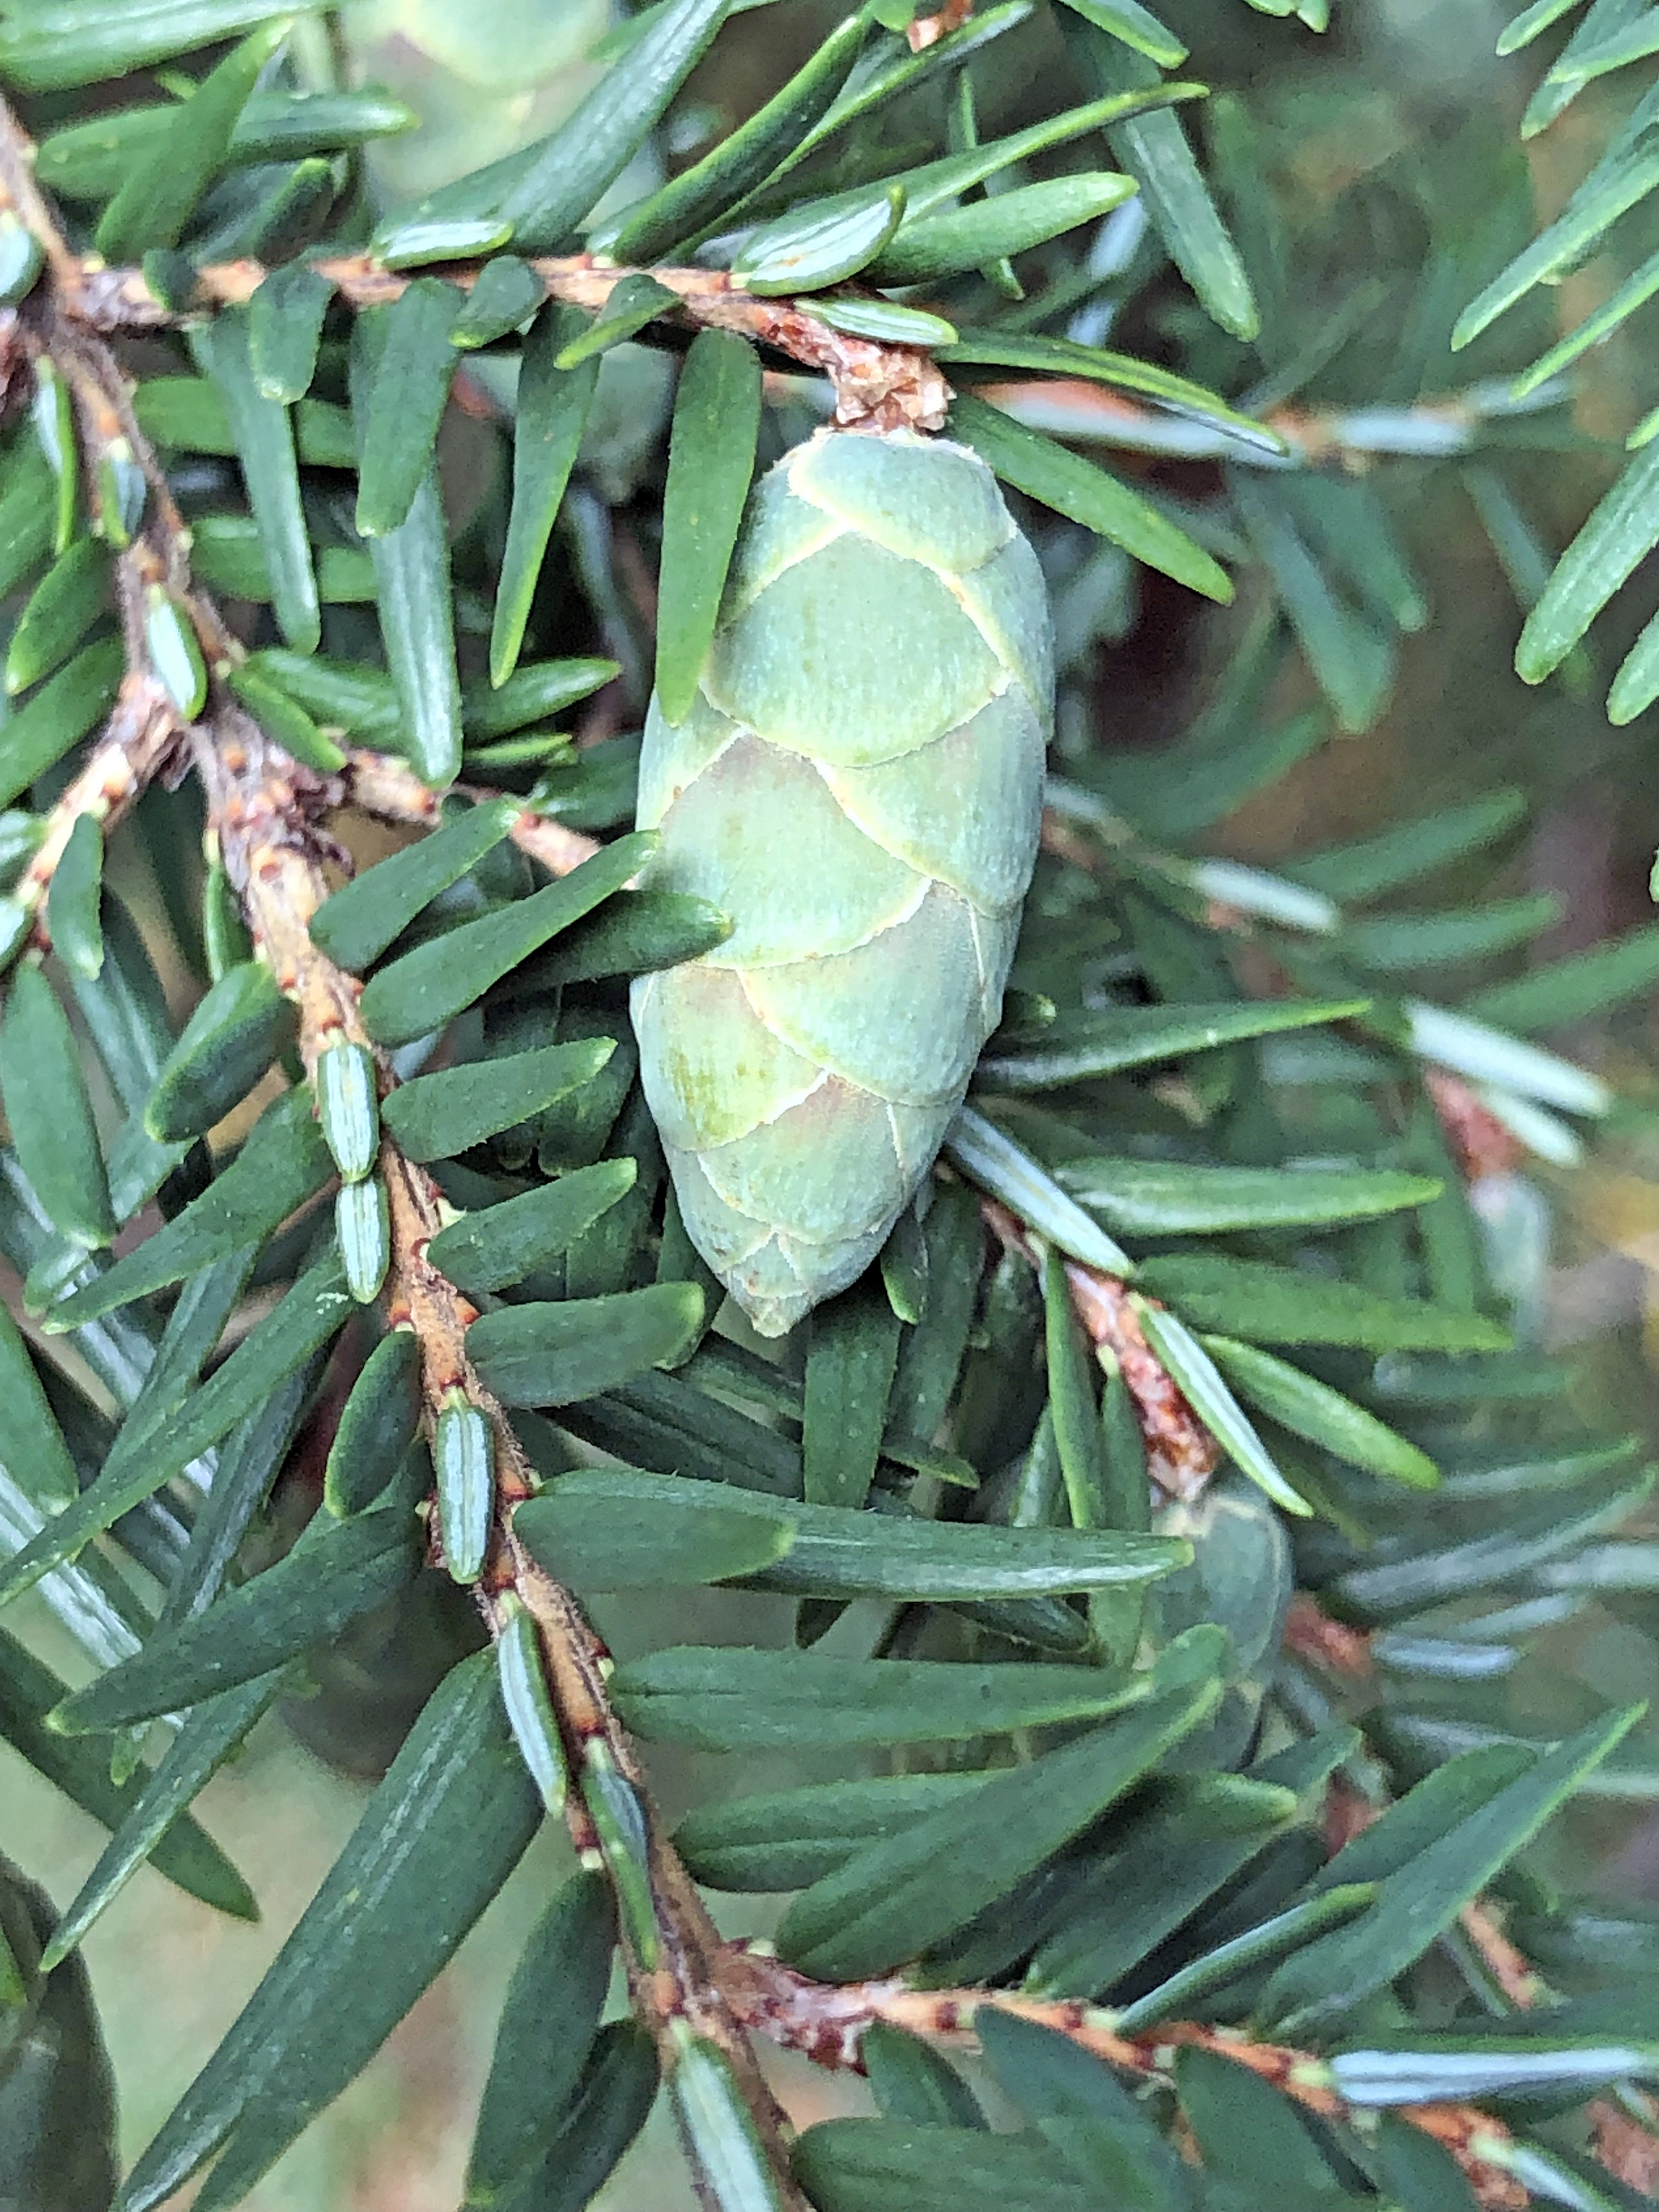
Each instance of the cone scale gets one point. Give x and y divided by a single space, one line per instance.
858 784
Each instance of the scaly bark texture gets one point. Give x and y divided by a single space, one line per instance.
858 785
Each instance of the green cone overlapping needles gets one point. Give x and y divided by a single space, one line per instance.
858 784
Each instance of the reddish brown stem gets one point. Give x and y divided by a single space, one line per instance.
829 2024
1180 1453
139 740
390 790
877 386
264 812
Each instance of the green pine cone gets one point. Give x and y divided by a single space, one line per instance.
857 785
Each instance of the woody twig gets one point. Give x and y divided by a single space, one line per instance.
1180 1453
140 738
829 2025
390 790
700 1997
878 384
881 386
264 812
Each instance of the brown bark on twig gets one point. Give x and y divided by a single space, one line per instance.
882 388
392 790
1627 2147
877 386
139 740
828 2024
1180 1453
926 31
1479 1141
1310 1632
261 826
264 812
1315 438
1514 1974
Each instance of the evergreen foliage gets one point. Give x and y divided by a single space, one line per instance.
1168 1516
